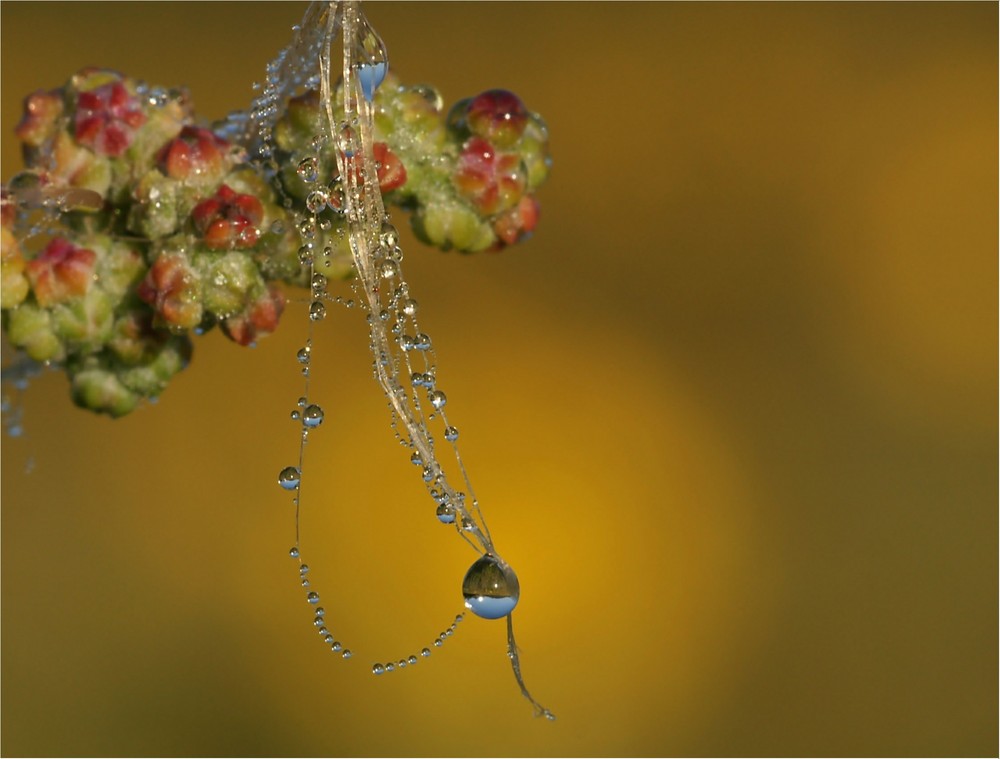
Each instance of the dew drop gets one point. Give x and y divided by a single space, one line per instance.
415 459
289 478
412 660
422 342
312 416
303 355
316 201
409 307
490 588
317 310
307 169
320 611
293 552
347 653
307 228
437 398
312 597
377 669
446 514
390 667
336 645
425 652
450 434
389 269
402 663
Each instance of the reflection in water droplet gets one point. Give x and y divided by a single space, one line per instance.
312 416
446 513
317 310
289 478
312 597
450 434
491 589
377 669
307 169
425 652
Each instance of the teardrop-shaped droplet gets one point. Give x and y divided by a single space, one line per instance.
303 355
490 588
370 56
312 416
450 434
289 478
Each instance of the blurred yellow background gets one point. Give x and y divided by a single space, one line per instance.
731 413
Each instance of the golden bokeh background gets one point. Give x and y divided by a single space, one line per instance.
732 415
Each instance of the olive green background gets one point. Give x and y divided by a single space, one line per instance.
731 413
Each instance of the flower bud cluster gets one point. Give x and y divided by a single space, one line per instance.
134 226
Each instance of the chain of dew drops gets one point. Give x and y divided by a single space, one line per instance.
490 586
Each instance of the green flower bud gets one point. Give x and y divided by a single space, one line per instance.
94 386
84 323
30 327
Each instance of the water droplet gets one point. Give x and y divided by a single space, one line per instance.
390 667
317 310
303 355
323 632
289 478
301 401
406 342
307 228
336 645
422 342
312 416
318 622
412 660
389 269
415 459
303 569
450 434
437 398
305 583
446 514
318 281
347 653
293 552
427 473
409 307
306 254
490 588
389 237
277 227
371 57
425 652
402 663
307 169
417 379
377 669
320 611
316 201
312 597
438 642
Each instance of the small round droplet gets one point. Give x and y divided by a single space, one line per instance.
389 269
307 169
417 379
293 552
317 310
437 398
320 611
306 254
390 667
347 653
425 652
389 237
409 307
415 459
323 632
316 201
303 569
422 342
336 645
412 660
450 434
438 642
303 355
446 514
402 663
377 669
312 597
491 589
307 228
318 622
312 416
289 478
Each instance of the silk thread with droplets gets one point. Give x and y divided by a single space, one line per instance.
403 358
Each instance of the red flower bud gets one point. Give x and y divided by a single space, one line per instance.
60 272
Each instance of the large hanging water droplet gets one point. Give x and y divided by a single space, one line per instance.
312 416
289 478
316 201
371 57
490 588
437 398
409 307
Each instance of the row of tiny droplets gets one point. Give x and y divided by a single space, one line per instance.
377 256
320 199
